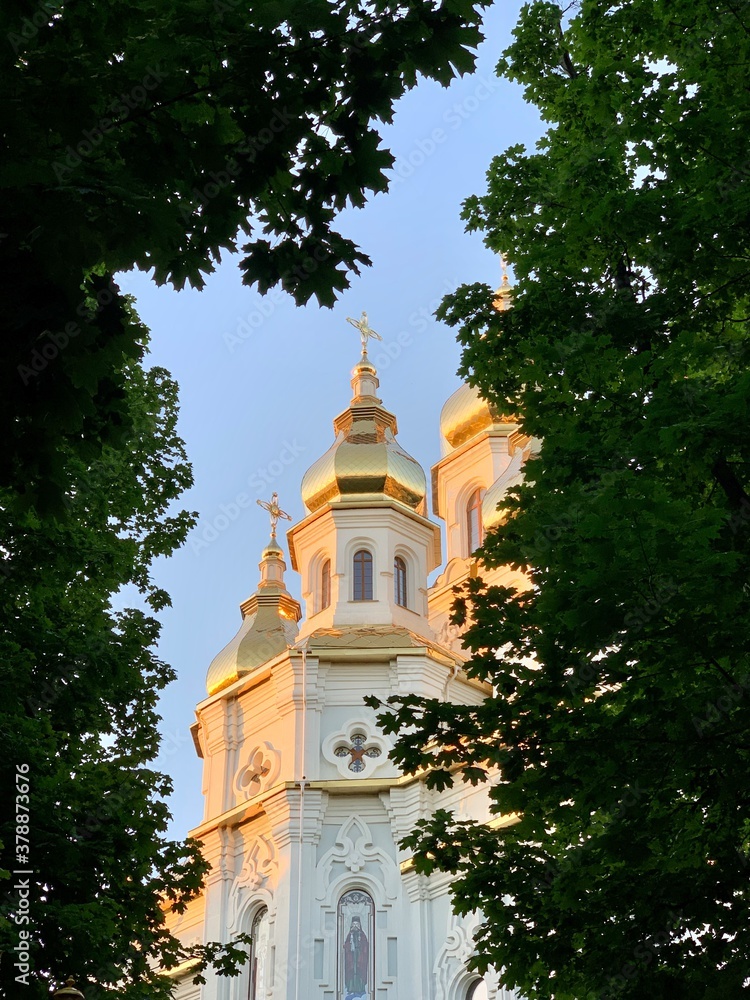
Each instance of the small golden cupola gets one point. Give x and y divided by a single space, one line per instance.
365 463
465 413
269 617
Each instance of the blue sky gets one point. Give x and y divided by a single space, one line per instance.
261 380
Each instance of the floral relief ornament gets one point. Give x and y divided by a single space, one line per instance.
259 772
357 749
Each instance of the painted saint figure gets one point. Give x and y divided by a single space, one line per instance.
356 961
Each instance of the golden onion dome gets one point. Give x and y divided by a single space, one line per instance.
365 462
269 625
464 415
504 294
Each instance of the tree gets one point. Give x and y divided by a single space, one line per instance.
86 839
155 135
618 728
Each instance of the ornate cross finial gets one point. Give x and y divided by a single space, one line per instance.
504 269
365 330
274 510
504 294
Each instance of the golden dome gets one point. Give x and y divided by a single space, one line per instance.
504 294
269 625
365 462
464 415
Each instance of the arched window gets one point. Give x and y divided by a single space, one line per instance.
477 990
259 955
362 565
474 521
356 945
399 581
325 584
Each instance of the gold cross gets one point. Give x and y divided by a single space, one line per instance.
274 510
365 330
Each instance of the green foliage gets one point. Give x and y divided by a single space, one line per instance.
160 134
78 720
618 727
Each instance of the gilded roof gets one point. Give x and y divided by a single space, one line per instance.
372 637
269 625
365 460
465 414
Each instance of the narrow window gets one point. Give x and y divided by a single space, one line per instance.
259 955
362 575
474 521
325 584
477 990
399 581
356 952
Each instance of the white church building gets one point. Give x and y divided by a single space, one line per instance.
304 810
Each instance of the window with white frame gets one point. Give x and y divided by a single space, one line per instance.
474 532
399 582
362 575
259 932
325 585
477 990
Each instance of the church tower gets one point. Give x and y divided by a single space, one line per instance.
483 454
304 810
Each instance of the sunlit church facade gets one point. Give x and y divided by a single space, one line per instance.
304 810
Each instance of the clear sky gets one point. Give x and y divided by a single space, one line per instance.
261 380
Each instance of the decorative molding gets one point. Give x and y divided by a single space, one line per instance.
450 965
260 864
260 771
255 884
450 635
357 750
452 976
295 814
233 737
354 854
217 851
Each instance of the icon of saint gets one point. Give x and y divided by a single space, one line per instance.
356 961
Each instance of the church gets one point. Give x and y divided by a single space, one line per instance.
304 810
